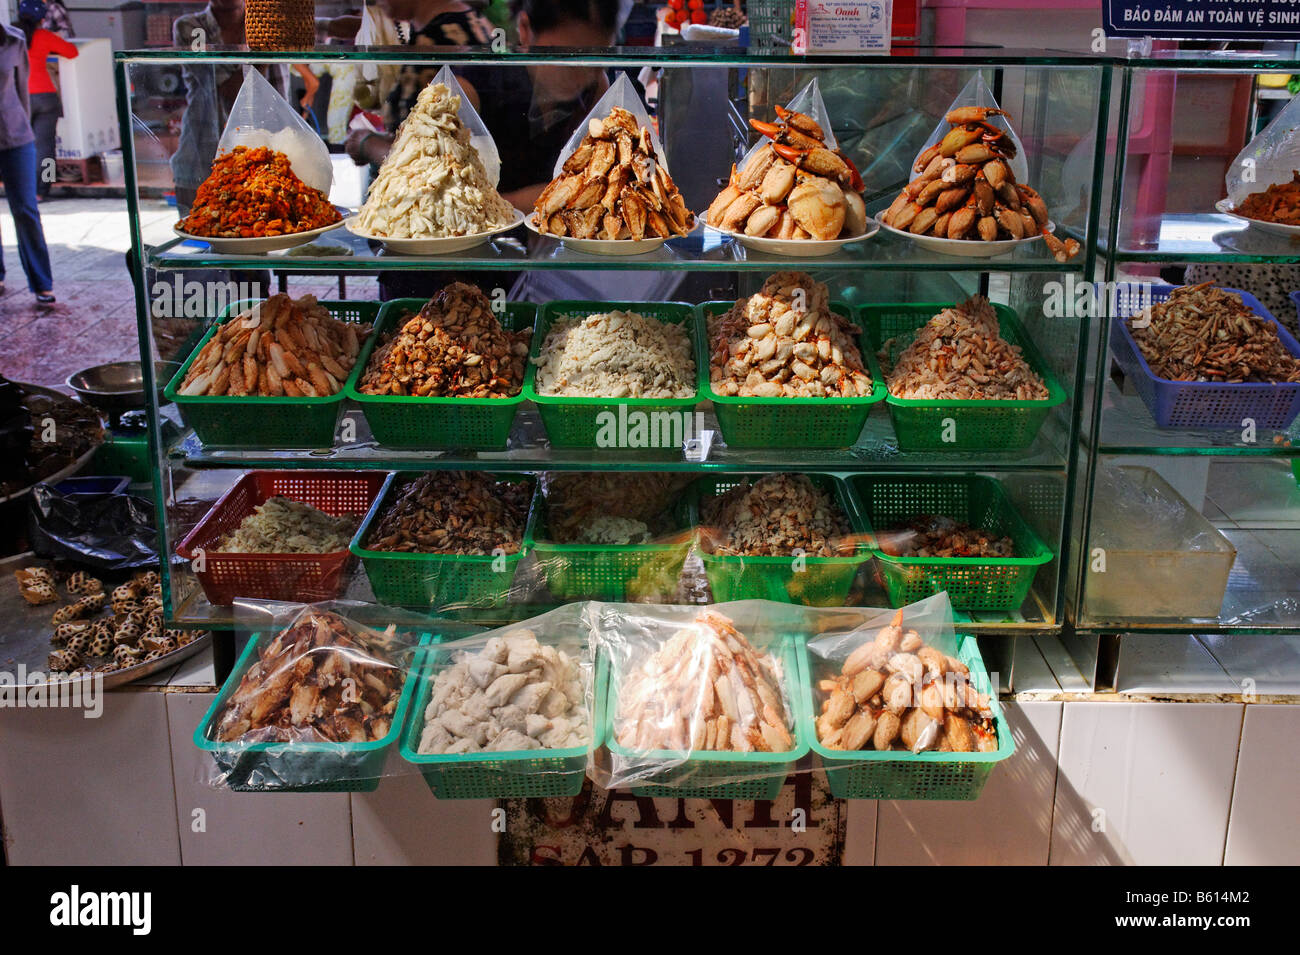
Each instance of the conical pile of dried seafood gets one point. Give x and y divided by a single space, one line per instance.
433 185
793 187
613 187
966 189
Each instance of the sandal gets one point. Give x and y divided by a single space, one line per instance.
45 298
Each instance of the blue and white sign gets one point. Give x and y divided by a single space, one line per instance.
1203 19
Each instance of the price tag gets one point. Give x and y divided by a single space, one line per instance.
843 26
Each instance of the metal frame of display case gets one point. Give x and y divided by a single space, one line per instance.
1048 470
1120 433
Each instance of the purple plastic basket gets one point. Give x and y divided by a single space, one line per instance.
1202 404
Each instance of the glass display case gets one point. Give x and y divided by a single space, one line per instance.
1190 513
882 111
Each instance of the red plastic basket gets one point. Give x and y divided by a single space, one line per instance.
298 577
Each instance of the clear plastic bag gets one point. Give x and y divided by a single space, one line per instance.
622 94
809 102
977 93
479 137
1269 159
262 117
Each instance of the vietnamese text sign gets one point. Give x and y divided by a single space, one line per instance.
1203 19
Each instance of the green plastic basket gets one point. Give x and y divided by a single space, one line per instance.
788 422
258 421
437 581
576 422
300 767
972 583
712 775
517 774
993 425
820 581
400 421
871 774
606 571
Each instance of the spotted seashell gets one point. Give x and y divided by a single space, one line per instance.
100 646
123 592
79 642
125 656
91 603
152 604
63 661
106 668
64 631
149 578
159 642
183 638
82 583
67 612
127 606
153 655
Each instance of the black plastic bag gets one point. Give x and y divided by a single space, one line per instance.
104 531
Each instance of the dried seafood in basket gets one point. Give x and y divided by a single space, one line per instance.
794 187
786 342
966 189
1280 203
252 193
896 692
514 694
933 535
775 516
321 680
280 347
613 186
433 183
454 512
1205 333
455 348
282 526
706 688
961 354
616 354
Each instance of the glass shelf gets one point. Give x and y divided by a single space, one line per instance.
703 250
528 450
1206 237
1127 428
685 54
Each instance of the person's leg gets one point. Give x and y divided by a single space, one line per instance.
45 118
18 173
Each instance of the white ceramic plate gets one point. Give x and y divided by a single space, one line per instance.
443 246
967 248
258 245
601 246
1272 228
802 248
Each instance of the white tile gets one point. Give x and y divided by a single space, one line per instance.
401 823
1144 783
860 832
1264 828
1010 823
79 791
248 828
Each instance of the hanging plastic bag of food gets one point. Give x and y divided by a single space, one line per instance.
1269 159
622 95
976 93
479 137
262 117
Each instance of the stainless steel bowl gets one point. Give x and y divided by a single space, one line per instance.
119 385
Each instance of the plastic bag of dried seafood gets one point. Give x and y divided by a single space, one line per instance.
316 701
508 712
977 93
809 102
697 702
622 94
262 117
1269 159
479 137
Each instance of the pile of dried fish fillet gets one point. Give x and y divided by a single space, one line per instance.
1204 333
616 354
774 516
280 347
432 184
282 526
961 354
706 688
321 680
614 186
898 693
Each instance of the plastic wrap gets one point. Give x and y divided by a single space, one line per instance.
479 137
103 531
260 116
977 93
1269 159
620 93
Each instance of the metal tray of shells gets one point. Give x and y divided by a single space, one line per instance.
25 637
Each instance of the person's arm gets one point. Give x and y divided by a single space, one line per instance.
525 198
367 147
61 47
310 83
